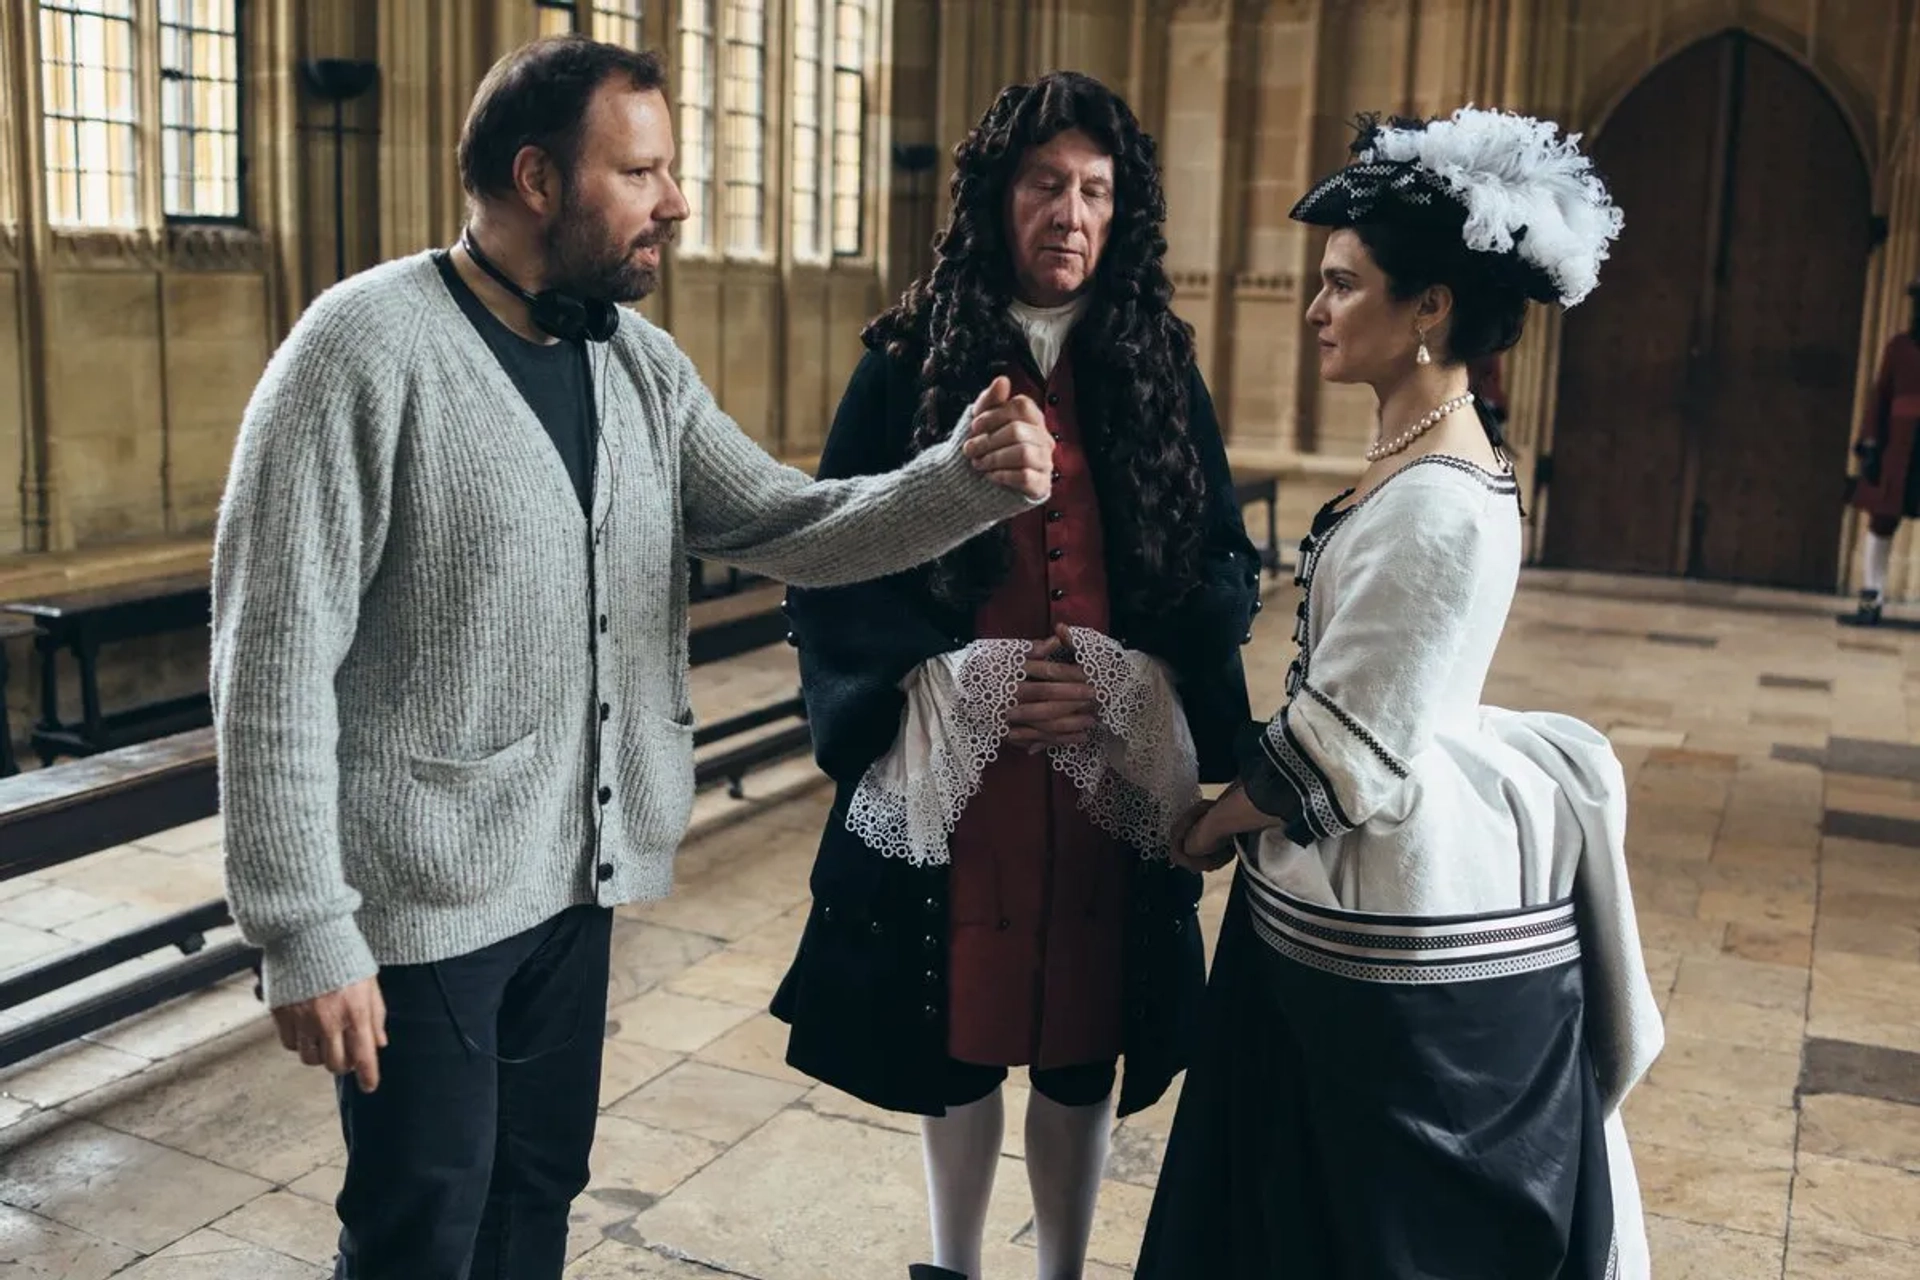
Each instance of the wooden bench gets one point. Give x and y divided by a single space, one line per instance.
62 812
69 810
724 626
708 582
81 622
12 627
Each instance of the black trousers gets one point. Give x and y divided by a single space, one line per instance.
463 1164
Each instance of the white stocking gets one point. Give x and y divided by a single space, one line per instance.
962 1150
1066 1156
1874 573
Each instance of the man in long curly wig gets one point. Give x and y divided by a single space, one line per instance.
1015 728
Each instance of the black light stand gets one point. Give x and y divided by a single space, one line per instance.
339 81
913 160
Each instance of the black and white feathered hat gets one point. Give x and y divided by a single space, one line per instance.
1527 195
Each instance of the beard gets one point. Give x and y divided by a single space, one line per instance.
583 258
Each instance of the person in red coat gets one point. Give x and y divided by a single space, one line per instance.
1020 918
1888 486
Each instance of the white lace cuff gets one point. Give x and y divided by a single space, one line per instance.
1141 771
956 715
1136 777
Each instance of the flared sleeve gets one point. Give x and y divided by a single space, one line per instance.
1365 699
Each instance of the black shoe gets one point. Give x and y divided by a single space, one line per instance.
922 1271
1868 614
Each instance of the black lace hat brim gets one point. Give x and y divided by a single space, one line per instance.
1401 191
1360 191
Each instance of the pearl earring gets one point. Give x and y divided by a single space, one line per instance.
1423 356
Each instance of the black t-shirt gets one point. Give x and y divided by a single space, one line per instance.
553 377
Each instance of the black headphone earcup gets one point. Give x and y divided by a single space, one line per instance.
602 319
575 319
560 315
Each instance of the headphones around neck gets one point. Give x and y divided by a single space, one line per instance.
559 314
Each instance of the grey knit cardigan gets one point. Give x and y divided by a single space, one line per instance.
449 703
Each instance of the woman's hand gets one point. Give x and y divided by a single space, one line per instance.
1055 707
1195 846
1204 838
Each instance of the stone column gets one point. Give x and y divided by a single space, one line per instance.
47 527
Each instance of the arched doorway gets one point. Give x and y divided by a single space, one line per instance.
1706 389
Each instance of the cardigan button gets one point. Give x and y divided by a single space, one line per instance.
603 624
606 711
606 795
606 872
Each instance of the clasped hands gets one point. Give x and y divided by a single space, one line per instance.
1008 442
1055 706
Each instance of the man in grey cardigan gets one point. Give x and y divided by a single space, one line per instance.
449 665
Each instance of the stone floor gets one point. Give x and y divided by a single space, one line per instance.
1775 844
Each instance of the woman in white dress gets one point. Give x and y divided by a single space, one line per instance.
1428 1000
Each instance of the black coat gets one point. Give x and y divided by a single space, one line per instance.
866 993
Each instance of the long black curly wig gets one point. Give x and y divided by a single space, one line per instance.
1132 356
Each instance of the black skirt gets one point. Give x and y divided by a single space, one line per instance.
1387 1098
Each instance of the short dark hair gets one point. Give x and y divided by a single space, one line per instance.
537 96
1489 292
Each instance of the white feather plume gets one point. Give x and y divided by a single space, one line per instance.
1516 175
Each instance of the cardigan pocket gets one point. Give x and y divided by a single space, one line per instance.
458 772
656 780
465 825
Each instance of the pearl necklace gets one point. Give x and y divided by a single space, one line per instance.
1387 448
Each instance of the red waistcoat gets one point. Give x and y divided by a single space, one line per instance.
1038 898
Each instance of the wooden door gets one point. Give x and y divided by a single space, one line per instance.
1706 388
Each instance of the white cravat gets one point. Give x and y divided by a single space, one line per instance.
1046 329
